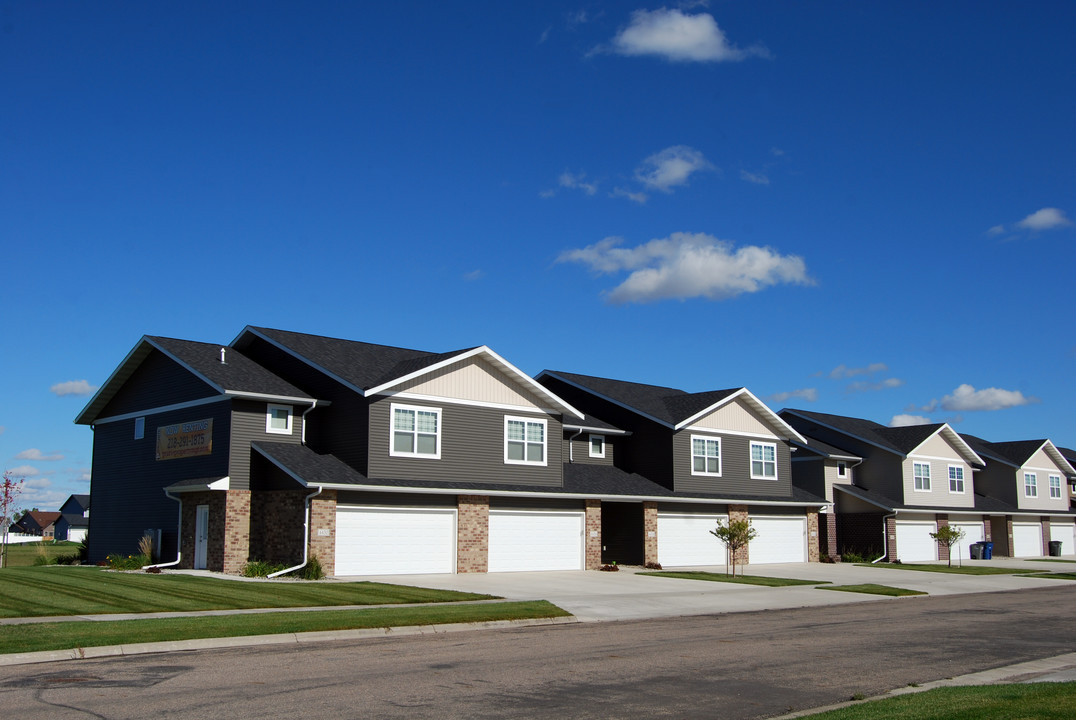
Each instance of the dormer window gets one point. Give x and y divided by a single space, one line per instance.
842 470
597 446
278 420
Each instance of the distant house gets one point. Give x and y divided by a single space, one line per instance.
35 522
74 519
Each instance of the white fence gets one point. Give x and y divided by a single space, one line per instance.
19 538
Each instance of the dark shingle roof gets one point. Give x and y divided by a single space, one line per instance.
827 450
1017 451
363 365
75 520
237 373
984 504
662 403
901 440
589 421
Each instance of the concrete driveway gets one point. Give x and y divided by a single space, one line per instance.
594 596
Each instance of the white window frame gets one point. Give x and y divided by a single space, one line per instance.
1031 485
751 459
594 437
140 428
916 477
415 409
526 442
842 469
269 419
960 470
1055 484
706 438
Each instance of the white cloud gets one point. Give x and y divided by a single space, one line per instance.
671 167
35 454
756 178
574 181
687 265
639 197
864 386
776 151
996 230
23 471
474 275
678 37
967 398
843 371
1045 219
906 420
808 394
73 387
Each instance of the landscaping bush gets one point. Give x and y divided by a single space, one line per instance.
311 571
261 568
653 566
70 559
851 556
127 562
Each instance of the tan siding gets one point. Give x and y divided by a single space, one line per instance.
736 416
1041 460
475 380
1043 501
832 478
939 495
938 446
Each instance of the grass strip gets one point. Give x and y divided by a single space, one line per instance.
966 570
26 554
53 590
69 635
739 579
874 589
1050 560
1056 576
1042 701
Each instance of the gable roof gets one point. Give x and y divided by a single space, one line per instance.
371 369
826 450
667 406
39 518
238 375
901 441
1017 453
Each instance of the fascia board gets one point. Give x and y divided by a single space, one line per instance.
105 392
274 398
301 358
596 430
754 402
1060 460
589 391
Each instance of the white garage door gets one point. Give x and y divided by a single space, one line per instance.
392 541
1027 539
779 540
685 540
539 540
973 533
1064 533
914 542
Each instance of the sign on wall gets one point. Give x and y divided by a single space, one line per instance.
184 440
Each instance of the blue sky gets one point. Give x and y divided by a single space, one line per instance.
850 207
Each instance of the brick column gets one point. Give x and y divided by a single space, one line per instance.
650 532
1008 537
831 535
472 533
323 530
1045 520
739 512
987 537
236 531
812 536
891 538
593 532
943 521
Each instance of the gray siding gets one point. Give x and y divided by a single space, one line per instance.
126 490
472 447
880 471
810 475
581 449
735 468
157 382
248 425
1004 482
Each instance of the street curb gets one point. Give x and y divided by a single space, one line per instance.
47 656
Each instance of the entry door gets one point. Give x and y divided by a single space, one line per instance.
201 536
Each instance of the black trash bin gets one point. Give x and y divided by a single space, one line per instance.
977 550
1055 548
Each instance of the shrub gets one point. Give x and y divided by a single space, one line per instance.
43 560
260 568
609 568
653 566
127 562
69 559
311 571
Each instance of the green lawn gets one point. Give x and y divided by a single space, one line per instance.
59 590
1041 701
873 589
1050 560
1056 576
70 635
740 579
24 554
966 570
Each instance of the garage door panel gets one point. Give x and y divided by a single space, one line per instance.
685 540
394 541
520 541
1027 539
1065 535
914 542
973 533
779 540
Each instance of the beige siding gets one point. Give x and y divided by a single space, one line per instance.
832 478
736 416
1043 467
939 495
937 446
475 380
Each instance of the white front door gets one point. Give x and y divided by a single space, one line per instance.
778 540
201 536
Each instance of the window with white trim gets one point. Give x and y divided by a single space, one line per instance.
524 441
416 432
956 478
842 469
921 473
278 419
1031 485
140 428
763 461
705 455
597 446
1055 486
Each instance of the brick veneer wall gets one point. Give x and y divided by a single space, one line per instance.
323 518
987 537
276 526
891 538
1045 520
861 533
472 534
828 535
215 543
650 532
236 531
812 536
737 513
943 521
593 534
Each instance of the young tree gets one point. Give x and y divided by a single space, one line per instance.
9 496
947 537
735 534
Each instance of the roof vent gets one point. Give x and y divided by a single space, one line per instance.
222 357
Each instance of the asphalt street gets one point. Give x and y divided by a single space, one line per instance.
741 665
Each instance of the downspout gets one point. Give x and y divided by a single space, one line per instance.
306 534
179 535
571 450
305 413
885 536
